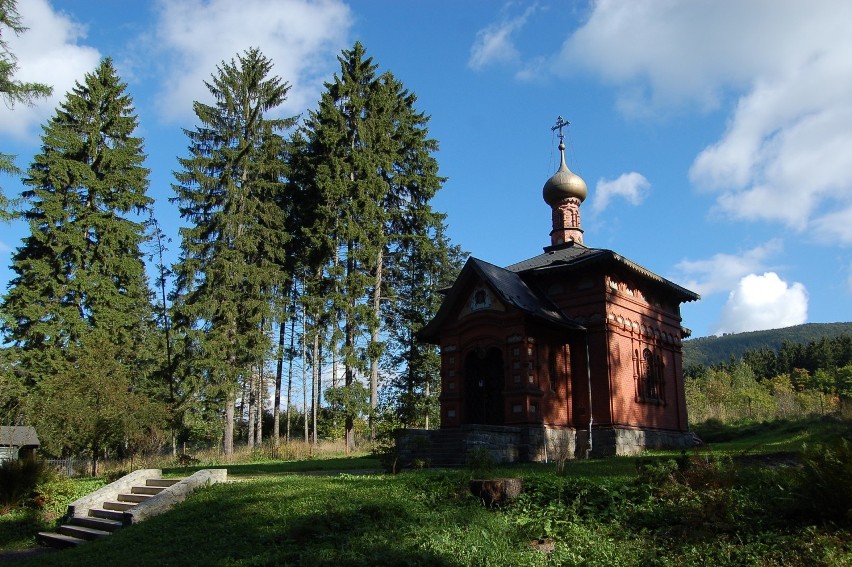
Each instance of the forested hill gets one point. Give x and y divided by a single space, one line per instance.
712 350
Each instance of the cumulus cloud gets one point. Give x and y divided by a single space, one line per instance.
632 187
764 302
301 37
788 67
48 52
722 272
495 43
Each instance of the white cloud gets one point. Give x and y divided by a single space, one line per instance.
48 52
788 65
722 272
301 37
632 187
764 302
495 43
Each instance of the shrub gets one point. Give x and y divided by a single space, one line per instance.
185 460
56 491
480 462
384 449
18 480
113 475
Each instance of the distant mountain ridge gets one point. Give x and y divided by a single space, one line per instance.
712 350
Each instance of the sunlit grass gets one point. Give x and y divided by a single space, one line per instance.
339 511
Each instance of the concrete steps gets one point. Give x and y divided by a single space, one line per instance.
109 517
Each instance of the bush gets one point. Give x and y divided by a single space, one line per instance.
480 462
18 480
56 491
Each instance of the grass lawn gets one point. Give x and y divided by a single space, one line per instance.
651 510
242 470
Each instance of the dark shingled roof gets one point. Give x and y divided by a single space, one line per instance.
515 291
511 289
573 255
18 436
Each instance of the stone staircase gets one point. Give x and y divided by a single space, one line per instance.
127 501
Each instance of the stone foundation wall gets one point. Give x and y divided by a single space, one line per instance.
457 446
501 444
616 441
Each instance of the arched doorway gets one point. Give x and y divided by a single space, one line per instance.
484 383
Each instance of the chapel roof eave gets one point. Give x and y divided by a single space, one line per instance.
573 255
511 289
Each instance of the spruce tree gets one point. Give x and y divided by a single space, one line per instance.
421 266
370 168
13 91
229 189
80 278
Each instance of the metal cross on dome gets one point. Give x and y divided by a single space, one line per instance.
560 124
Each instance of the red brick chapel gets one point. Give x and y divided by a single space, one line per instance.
537 355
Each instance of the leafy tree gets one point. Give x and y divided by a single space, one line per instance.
92 405
844 386
13 91
232 252
80 292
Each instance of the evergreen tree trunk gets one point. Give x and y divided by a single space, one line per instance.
228 437
279 376
349 344
375 345
251 386
305 375
261 395
315 388
291 355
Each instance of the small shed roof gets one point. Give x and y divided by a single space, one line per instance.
18 436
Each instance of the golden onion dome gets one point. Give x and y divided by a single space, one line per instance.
564 184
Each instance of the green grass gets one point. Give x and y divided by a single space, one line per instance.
337 464
772 437
692 511
19 526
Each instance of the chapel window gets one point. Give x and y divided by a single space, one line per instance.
650 378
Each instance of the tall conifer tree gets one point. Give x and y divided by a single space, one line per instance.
371 168
13 91
418 268
80 278
232 253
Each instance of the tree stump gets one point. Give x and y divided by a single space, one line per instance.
495 492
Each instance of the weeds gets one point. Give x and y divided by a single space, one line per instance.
824 491
18 480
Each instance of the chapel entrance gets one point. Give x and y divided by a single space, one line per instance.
484 382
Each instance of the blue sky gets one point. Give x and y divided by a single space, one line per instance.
715 137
